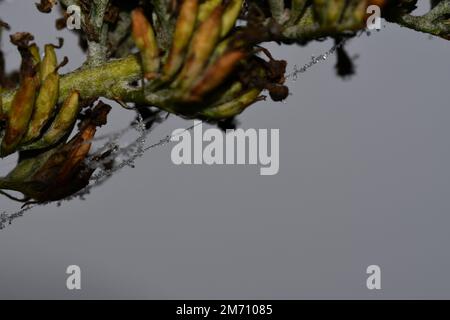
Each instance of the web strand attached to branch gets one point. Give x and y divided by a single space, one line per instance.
138 148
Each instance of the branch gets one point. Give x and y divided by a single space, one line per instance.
97 46
95 29
112 81
435 22
278 11
164 22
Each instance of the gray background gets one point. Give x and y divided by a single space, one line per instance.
364 179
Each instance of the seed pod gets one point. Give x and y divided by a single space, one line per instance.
34 50
202 45
183 32
278 92
335 10
64 121
320 10
360 12
19 116
234 107
221 48
348 15
230 16
231 93
45 105
82 145
329 11
49 63
145 40
26 168
297 9
206 8
2 113
61 171
216 74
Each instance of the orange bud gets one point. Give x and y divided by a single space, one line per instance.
216 74
144 37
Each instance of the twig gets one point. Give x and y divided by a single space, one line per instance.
433 22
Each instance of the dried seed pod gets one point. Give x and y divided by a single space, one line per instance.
278 92
64 121
233 107
230 16
145 40
49 63
19 115
216 74
45 6
28 167
46 102
183 32
60 171
203 43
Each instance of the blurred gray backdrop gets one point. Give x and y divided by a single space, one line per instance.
364 179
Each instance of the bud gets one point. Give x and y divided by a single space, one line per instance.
61 126
145 40
61 171
234 107
34 50
329 12
49 63
216 74
19 115
230 16
183 32
46 102
2 113
206 8
203 43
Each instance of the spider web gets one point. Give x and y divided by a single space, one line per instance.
137 148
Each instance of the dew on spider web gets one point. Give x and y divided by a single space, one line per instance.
297 71
127 155
120 157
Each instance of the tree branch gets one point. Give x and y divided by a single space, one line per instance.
97 47
435 22
112 80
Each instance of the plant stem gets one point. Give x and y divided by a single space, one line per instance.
97 48
430 22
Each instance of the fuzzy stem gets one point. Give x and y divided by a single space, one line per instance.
97 48
277 10
429 23
111 81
